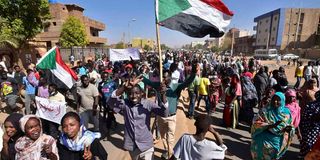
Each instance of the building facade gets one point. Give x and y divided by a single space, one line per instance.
60 13
142 43
244 45
287 28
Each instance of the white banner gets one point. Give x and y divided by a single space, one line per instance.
50 110
124 54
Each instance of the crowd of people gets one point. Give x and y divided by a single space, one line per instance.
136 91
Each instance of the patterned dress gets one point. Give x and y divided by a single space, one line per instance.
271 143
309 128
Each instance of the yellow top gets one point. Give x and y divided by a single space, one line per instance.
204 82
299 71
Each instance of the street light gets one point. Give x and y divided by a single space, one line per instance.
132 20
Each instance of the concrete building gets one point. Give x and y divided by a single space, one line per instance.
195 43
287 28
142 42
244 45
59 13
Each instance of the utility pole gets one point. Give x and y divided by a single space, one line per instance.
297 29
232 39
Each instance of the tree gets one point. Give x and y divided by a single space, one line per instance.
226 43
120 45
24 19
214 49
73 33
147 48
164 47
198 46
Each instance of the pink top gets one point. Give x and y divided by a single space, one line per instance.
238 91
295 113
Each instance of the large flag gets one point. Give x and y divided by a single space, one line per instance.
53 63
195 18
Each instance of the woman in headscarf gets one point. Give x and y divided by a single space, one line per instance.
271 130
310 125
232 102
35 144
250 100
307 93
294 108
78 143
12 133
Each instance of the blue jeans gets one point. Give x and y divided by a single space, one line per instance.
206 99
88 116
297 85
192 97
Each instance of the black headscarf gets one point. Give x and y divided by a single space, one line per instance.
14 119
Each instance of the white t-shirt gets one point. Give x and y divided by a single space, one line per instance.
308 71
188 148
175 76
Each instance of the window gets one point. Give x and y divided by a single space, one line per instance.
267 21
266 30
300 29
274 28
301 18
260 22
299 38
275 18
259 31
54 23
272 39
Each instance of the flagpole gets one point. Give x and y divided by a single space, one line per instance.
158 41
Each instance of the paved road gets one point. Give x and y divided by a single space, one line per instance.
237 140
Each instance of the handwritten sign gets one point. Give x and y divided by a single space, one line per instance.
124 54
50 110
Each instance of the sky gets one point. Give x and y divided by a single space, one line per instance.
136 18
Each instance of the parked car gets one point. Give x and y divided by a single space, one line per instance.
290 56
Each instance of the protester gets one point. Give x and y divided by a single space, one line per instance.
298 74
30 83
204 91
12 134
106 87
193 94
307 93
310 125
214 91
294 108
52 128
35 144
260 82
9 90
271 130
249 99
167 125
88 102
78 143
196 146
137 112
232 102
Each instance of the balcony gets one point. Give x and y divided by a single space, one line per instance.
95 24
97 40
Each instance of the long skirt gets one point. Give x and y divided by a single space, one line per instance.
246 113
230 114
